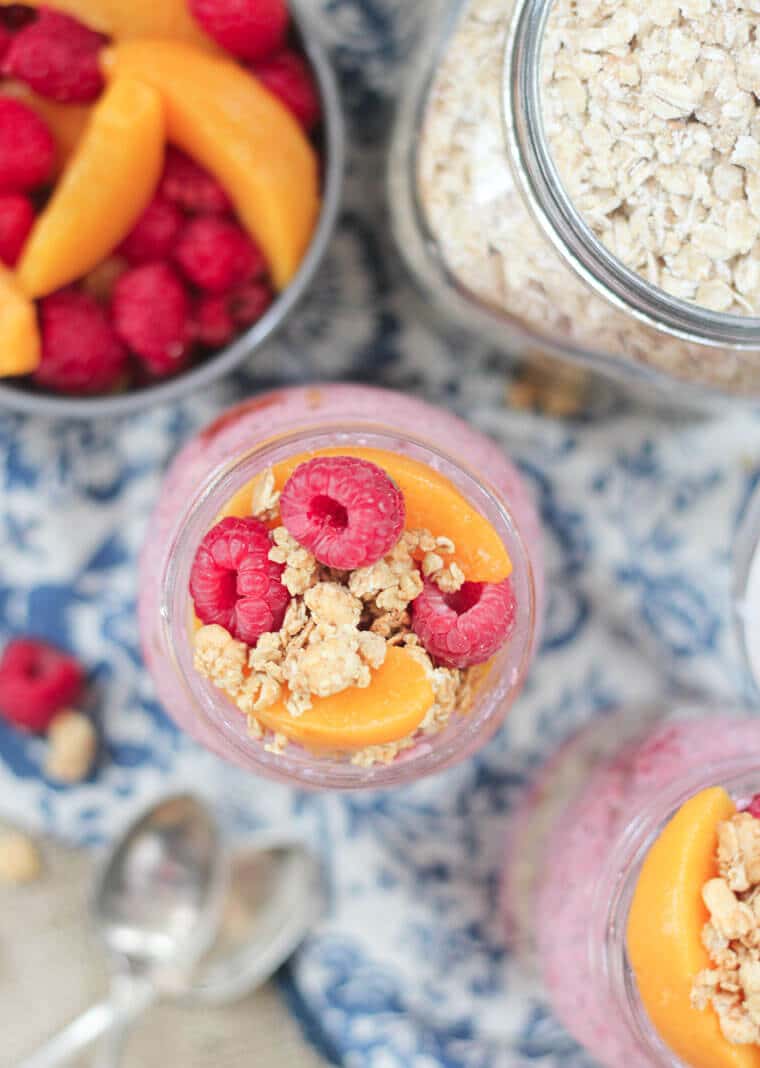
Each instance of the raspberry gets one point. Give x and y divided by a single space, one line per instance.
80 350
235 584
16 220
467 627
5 42
217 255
212 323
27 148
346 511
289 77
36 682
249 302
754 807
190 187
250 29
151 313
154 234
58 57
14 16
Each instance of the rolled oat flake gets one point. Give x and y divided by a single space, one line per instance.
651 117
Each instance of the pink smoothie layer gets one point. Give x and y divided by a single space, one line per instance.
262 417
578 848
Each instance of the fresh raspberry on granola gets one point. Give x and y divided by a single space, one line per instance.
346 511
16 220
234 584
754 807
467 627
249 29
36 682
81 353
27 148
58 57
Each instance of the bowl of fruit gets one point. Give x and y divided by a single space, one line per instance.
170 177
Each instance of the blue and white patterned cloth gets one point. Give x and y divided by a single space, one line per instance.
407 970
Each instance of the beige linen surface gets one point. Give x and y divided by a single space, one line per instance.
51 968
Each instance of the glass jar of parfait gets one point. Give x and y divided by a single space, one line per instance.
632 873
341 587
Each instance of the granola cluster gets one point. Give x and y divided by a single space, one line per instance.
336 631
732 935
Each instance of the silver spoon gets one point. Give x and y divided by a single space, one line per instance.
274 897
156 905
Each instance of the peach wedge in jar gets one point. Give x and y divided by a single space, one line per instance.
349 601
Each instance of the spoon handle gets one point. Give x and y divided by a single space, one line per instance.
74 1038
87 1028
132 1000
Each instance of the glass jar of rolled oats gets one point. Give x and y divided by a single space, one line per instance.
581 179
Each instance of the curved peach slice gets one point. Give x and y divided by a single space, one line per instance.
124 19
19 334
102 192
67 122
432 503
226 120
664 934
391 707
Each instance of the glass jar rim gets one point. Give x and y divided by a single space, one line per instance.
607 941
226 723
549 203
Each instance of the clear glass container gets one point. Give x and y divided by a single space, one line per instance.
245 441
575 849
483 221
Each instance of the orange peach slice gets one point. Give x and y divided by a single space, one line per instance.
19 334
103 191
124 19
432 503
664 934
67 122
390 708
226 120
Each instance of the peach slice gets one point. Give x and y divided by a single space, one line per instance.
104 189
432 503
124 19
19 334
226 120
391 707
67 122
664 934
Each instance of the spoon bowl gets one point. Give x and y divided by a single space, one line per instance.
274 897
156 906
157 900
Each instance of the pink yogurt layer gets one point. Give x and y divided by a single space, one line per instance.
267 415
578 849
